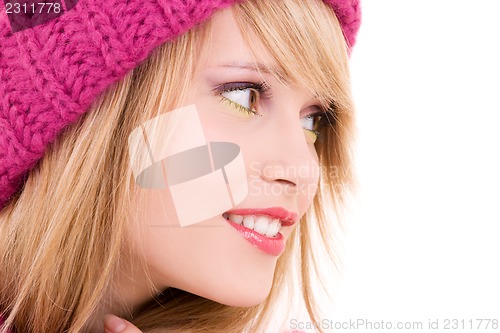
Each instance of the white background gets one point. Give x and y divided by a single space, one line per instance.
422 240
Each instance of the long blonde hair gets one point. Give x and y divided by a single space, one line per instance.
62 238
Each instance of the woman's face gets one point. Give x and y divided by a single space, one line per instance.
271 123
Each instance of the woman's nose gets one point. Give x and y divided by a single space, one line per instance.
280 172
287 159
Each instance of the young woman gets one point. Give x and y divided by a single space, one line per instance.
101 212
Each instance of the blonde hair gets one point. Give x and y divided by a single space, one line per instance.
61 240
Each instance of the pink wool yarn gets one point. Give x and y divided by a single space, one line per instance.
51 73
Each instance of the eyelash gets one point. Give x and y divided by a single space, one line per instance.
327 118
262 90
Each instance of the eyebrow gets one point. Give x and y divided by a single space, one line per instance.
257 67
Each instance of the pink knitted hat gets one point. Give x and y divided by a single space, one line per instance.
53 66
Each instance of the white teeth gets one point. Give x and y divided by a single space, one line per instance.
261 224
238 219
249 221
273 228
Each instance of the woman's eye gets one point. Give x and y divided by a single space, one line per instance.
311 125
243 98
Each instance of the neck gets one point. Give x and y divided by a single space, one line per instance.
129 291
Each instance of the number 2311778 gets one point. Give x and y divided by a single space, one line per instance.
33 8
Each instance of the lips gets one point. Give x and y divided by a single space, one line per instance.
260 226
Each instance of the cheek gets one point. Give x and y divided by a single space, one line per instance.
208 259
310 181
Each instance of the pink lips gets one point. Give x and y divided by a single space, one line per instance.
273 246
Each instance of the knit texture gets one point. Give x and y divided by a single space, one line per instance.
50 74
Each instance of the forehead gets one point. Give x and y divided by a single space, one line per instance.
300 48
228 47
